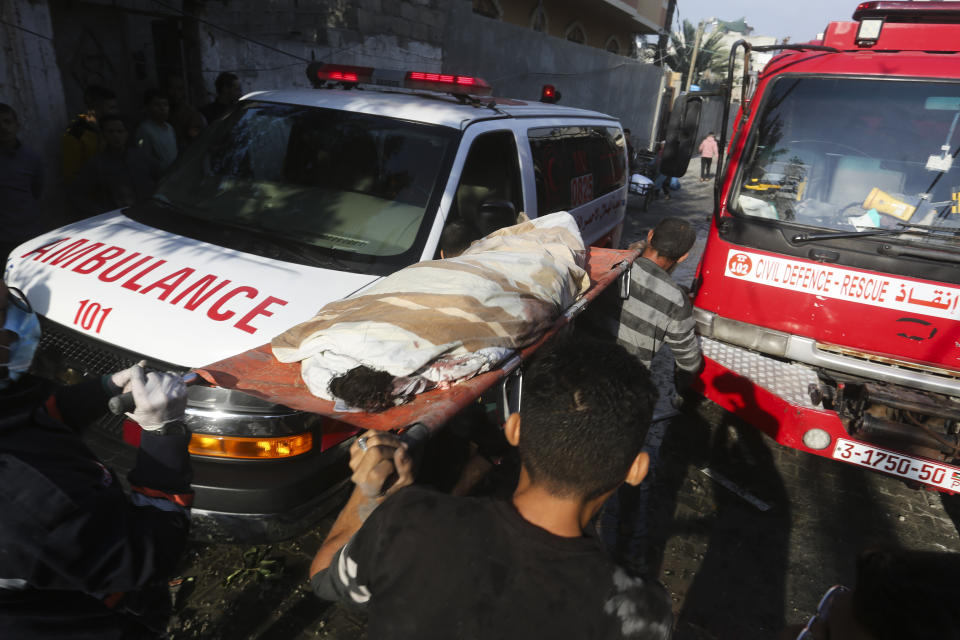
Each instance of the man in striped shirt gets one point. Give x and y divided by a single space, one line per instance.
657 309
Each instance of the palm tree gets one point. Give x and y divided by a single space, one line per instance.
710 58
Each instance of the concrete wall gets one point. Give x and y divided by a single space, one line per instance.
517 62
107 46
391 34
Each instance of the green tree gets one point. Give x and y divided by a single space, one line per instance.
711 59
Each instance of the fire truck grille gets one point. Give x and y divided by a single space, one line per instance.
68 356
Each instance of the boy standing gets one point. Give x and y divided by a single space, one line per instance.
155 135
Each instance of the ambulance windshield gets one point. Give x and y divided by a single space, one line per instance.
348 183
855 155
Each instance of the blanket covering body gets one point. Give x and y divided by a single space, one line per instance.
438 321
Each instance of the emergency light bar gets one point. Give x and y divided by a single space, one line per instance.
448 83
349 76
909 11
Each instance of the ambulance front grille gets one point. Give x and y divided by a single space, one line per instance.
68 356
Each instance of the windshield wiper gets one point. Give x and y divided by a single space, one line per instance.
918 252
801 238
902 227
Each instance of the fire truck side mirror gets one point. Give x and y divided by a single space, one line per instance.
681 136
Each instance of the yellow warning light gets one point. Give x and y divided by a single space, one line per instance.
250 448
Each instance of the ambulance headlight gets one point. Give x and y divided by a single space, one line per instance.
202 397
214 410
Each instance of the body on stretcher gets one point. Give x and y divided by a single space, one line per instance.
258 373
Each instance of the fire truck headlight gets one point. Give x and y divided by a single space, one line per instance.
750 336
816 439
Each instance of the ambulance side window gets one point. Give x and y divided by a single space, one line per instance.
574 165
491 175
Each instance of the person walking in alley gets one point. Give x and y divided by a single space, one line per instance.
514 570
708 151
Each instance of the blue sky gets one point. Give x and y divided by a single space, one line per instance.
799 19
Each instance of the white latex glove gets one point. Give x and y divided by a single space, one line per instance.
160 398
120 381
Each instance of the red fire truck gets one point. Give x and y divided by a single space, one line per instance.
828 296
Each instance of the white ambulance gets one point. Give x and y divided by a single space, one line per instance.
295 199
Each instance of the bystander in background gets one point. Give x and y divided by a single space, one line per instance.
708 151
662 182
155 135
228 93
186 120
118 177
21 183
82 138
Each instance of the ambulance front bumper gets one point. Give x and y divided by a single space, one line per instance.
246 501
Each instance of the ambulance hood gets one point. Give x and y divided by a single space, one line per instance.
165 296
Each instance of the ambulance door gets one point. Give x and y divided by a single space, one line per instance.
485 190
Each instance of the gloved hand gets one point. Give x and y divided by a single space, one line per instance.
160 398
119 382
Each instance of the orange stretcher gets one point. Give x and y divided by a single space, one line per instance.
258 373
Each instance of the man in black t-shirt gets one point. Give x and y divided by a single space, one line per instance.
428 565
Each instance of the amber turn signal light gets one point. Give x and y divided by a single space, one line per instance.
203 444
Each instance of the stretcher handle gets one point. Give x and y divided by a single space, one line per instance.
415 436
123 404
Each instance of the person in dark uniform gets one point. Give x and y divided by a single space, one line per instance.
79 557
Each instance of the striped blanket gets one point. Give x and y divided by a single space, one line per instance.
441 320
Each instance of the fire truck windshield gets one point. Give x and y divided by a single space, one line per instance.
855 154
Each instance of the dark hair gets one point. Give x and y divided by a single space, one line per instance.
95 94
673 237
908 594
153 94
224 80
585 410
111 117
5 108
455 239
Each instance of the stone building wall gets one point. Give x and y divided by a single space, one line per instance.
392 34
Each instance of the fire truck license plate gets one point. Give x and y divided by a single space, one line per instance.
933 473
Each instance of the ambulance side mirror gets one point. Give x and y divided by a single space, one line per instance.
681 136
